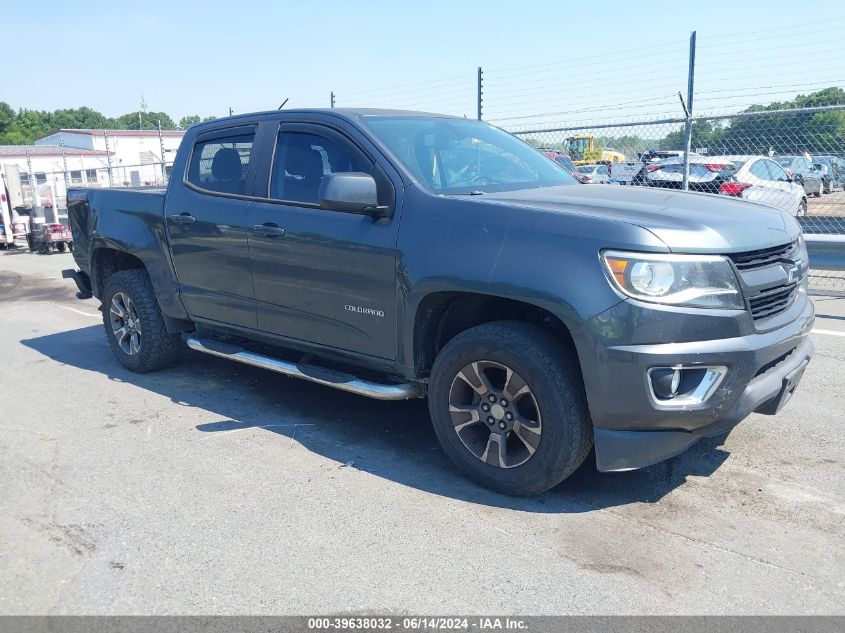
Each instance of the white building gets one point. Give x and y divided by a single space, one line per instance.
136 155
92 158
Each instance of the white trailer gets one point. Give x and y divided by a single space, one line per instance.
15 226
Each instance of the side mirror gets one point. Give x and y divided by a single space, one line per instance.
352 192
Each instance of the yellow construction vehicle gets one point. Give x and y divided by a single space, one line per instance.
584 151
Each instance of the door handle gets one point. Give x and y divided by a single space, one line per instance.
182 218
268 229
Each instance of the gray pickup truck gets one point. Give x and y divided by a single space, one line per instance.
400 255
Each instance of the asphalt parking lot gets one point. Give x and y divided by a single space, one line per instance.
218 488
829 204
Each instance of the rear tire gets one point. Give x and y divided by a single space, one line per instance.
802 208
60 246
557 409
130 292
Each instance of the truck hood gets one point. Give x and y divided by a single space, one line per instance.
685 222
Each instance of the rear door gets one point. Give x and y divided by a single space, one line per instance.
791 193
324 277
762 189
207 227
811 176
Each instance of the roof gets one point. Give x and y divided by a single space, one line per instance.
46 150
346 113
93 132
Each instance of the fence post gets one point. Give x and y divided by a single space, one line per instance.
33 182
480 75
64 159
161 145
688 124
332 98
108 156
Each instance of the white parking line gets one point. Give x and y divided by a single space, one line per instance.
247 428
88 314
830 332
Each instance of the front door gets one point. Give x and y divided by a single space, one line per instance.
207 227
325 277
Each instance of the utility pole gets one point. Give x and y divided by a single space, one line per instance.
144 110
688 110
480 85
332 98
108 155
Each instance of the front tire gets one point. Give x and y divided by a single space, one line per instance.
134 324
508 406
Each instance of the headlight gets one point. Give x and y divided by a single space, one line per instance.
699 281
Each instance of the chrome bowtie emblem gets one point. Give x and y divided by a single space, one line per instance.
793 272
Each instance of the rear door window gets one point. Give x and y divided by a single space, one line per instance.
776 171
219 164
759 170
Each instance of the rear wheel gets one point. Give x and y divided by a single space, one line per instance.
802 207
60 246
508 406
134 324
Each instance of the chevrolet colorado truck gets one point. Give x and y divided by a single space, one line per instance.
400 255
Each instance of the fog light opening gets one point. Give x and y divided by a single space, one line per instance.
683 386
665 381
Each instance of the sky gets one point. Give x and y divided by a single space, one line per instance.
543 61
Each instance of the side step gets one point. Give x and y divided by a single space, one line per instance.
320 375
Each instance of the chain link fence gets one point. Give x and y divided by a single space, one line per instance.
51 187
790 159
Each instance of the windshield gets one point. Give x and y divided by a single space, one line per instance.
460 156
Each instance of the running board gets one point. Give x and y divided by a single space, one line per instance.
320 375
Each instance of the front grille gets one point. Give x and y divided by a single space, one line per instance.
750 260
772 301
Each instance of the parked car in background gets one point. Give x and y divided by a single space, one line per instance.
560 158
592 174
803 171
706 174
833 172
633 172
760 179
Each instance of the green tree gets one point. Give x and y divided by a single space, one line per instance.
783 133
148 121
187 121
704 134
7 117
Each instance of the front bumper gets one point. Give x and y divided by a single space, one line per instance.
763 370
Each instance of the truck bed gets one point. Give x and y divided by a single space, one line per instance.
112 211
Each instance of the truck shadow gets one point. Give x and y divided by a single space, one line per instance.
392 440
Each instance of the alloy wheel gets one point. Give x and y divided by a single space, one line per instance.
125 324
495 414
